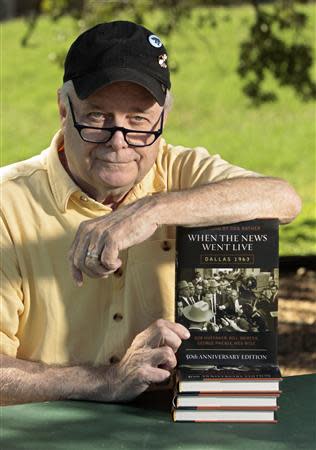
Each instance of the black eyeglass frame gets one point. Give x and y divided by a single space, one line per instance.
79 127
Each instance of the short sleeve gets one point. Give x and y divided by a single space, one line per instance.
184 168
11 297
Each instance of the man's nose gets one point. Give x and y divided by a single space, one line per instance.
117 141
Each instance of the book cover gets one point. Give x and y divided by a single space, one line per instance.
227 282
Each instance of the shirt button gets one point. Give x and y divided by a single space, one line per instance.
84 198
166 246
118 272
114 359
118 317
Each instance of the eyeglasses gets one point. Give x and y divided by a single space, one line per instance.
135 138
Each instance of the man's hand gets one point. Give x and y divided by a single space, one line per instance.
95 250
149 359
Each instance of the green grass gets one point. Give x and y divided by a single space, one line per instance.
210 110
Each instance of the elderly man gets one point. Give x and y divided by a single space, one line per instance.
110 189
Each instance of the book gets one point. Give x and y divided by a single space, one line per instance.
184 415
225 401
227 282
236 379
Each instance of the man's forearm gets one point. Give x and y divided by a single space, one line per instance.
26 381
229 201
145 362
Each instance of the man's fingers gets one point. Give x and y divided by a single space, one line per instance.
78 252
170 338
90 266
161 333
157 375
109 234
177 328
85 257
91 255
76 275
163 356
74 246
109 256
74 267
93 267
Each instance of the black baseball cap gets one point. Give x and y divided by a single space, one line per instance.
118 51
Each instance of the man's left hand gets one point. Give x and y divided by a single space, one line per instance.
95 249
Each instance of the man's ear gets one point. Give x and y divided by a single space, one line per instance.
62 108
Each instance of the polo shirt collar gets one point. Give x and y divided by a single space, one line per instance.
63 187
61 184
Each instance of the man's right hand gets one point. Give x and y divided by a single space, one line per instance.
149 359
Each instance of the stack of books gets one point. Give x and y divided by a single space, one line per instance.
226 294
227 395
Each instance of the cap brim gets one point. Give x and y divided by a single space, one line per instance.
87 84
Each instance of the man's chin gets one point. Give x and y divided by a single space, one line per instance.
117 174
120 182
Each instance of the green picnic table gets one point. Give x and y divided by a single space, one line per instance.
147 424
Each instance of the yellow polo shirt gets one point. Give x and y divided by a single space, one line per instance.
43 315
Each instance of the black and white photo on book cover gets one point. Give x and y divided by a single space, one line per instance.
231 300
227 282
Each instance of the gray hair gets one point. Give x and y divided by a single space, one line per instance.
68 88
168 101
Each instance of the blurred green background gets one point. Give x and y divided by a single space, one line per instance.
210 110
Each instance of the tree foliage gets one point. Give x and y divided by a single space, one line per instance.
274 46
269 48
